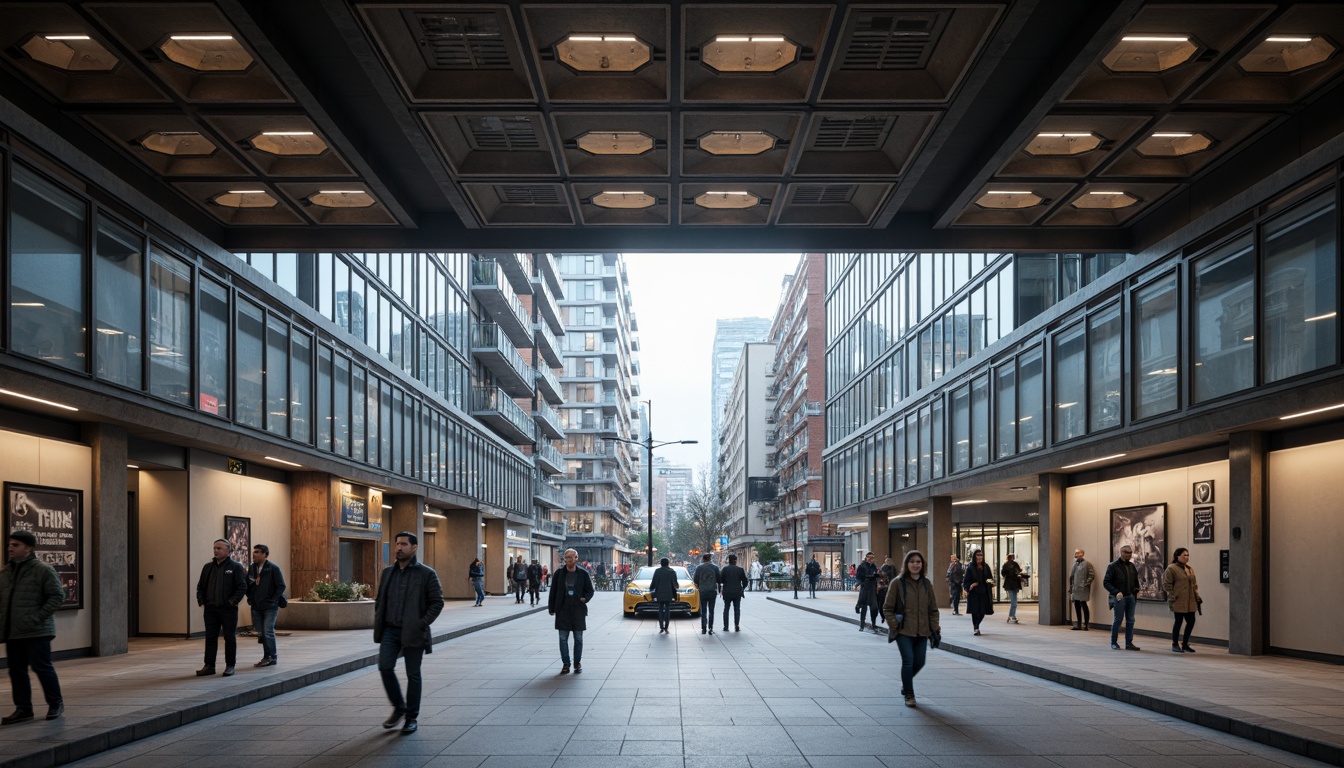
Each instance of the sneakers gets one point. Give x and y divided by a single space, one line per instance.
1012 619
18 716
1076 628
411 726
564 670
266 662
228 671
1176 648
977 633
1115 647
391 722
711 631
910 700
578 667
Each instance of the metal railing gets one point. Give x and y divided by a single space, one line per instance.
551 493
496 399
487 273
489 336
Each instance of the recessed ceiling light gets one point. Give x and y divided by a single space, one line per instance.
748 53
289 143
730 200
52 403
341 198
282 461
963 502
736 142
245 198
1326 316
615 142
1093 461
1108 200
1063 144
1173 144
590 52
1149 54
1280 54
1009 199
1291 415
207 53
70 53
624 199
178 143
1018 488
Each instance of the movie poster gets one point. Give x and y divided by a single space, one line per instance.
54 517
1144 529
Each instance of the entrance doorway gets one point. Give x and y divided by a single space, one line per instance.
997 540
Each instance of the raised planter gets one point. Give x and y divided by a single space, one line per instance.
300 614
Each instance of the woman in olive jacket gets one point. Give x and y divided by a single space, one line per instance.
912 619
979 585
1178 581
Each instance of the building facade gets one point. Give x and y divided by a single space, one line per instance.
748 483
729 336
672 485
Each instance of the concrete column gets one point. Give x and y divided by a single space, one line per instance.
1247 508
406 515
942 545
879 536
109 587
1052 570
496 556
459 543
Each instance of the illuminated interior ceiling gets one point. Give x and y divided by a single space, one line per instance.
702 126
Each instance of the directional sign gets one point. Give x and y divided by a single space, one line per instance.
723 541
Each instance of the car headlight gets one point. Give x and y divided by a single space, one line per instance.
688 591
635 592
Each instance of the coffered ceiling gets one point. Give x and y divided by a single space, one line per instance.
728 126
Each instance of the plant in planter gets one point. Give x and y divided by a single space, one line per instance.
328 591
330 605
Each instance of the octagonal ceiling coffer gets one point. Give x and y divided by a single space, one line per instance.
634 199
1149 54
1063 144
1174 144
70 53
178 143
736 142
1105 200
245 198
617 53
1281 54
749 53
1009 199
726 200
615 142
289 143
207 53
341 198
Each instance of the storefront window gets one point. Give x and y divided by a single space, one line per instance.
118 274
170 327
214 353
1030 400
1103 373
1298 311
47 281
1156 364
997 540
249 363
1224 320
1070 381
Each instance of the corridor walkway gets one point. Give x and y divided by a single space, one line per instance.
791 690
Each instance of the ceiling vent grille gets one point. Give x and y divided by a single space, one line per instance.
887 41
501 134
863 133
529 195
462 42
823 194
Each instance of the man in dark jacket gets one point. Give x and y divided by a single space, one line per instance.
30 593
266 595
519 579
813 572
534 581
734 579
663 587
1122 584
1010 576
570 590
409 599
867 605
219 590
706 578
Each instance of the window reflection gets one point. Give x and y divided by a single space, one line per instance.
1299 305
1224 321
47 284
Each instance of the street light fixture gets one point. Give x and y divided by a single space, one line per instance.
648 446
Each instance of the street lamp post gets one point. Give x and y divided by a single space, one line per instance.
796 572
648 446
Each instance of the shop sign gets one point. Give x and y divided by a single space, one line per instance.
53 515
354 511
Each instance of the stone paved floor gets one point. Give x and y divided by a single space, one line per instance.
792 690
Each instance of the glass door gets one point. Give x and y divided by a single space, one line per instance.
996 540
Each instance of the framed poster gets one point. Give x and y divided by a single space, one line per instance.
1144 529
354 511
54 515
1203 517
238 532
1202 492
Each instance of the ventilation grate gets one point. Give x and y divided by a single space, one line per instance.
886 41
823 194
529 195
851 133
461 42
500 134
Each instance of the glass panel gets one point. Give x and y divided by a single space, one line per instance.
277 376
925 445
169 327
1035 285
324 285
1005 411
898 460
118 305
1156 345
249 363
47 280
1225 321
300 383
961 429
1070 381
938 428
1007 284
214 352
342 418
1103 351
980 421
1031 400
1298 308
324 416
911 449
369 397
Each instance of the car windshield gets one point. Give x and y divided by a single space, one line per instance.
646 573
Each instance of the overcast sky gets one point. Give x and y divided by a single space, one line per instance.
677 297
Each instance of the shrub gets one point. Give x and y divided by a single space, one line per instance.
328 591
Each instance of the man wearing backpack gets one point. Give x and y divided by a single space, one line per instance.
813 574
706 578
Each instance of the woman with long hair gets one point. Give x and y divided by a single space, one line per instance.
477 577
979 584
1178 581
911 609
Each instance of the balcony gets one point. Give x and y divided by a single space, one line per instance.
549 386
610 402
551 528
517 269
772 392
547 495
497 353
609 353
769 437
493 407
548 345
545 264
549 459
546 306
491 288
548 421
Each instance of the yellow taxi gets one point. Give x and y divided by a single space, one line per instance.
638 600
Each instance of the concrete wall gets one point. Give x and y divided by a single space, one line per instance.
1305 488
166 593
1087 526
40 461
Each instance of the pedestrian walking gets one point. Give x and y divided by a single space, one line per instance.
734 581
979 585
911 609
706 578
476 575
410 598
1122 584
1080 590
30 594
813 575
955 572
571 589
266 596
1010 574
1178 581
888 569
757 576
867 605
880 598
519 579
534 578
219 590
663 587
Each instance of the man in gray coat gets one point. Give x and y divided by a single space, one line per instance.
1080 590
30 593
663 587
409 599
706 578
734 580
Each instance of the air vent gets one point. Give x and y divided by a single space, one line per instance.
823 194
462 41
887 41
529 195
500 134
859 133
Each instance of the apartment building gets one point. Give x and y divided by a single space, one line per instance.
748 483
729 336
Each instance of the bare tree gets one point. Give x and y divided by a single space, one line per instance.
706 512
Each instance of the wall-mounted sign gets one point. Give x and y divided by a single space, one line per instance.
354 511
54 517
237 466
1202 492
1224 566
1203 518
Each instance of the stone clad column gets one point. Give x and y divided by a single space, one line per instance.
879 536
941 546
1247 505
109 583
1052 573
405 515
496 555
459 542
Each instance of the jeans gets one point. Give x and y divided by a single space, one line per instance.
32 652
388 650
707 601
1012 603
219 620
478 583
1189 619
534 591
518 587
664 612
955 591
734 603
811 586
1082 612
913 651
564 646
1124 609
263 623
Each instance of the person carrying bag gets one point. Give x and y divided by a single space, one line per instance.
911 610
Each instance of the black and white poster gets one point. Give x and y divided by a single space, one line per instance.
1203 517
54 517
1144 529
354 511
1202 492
